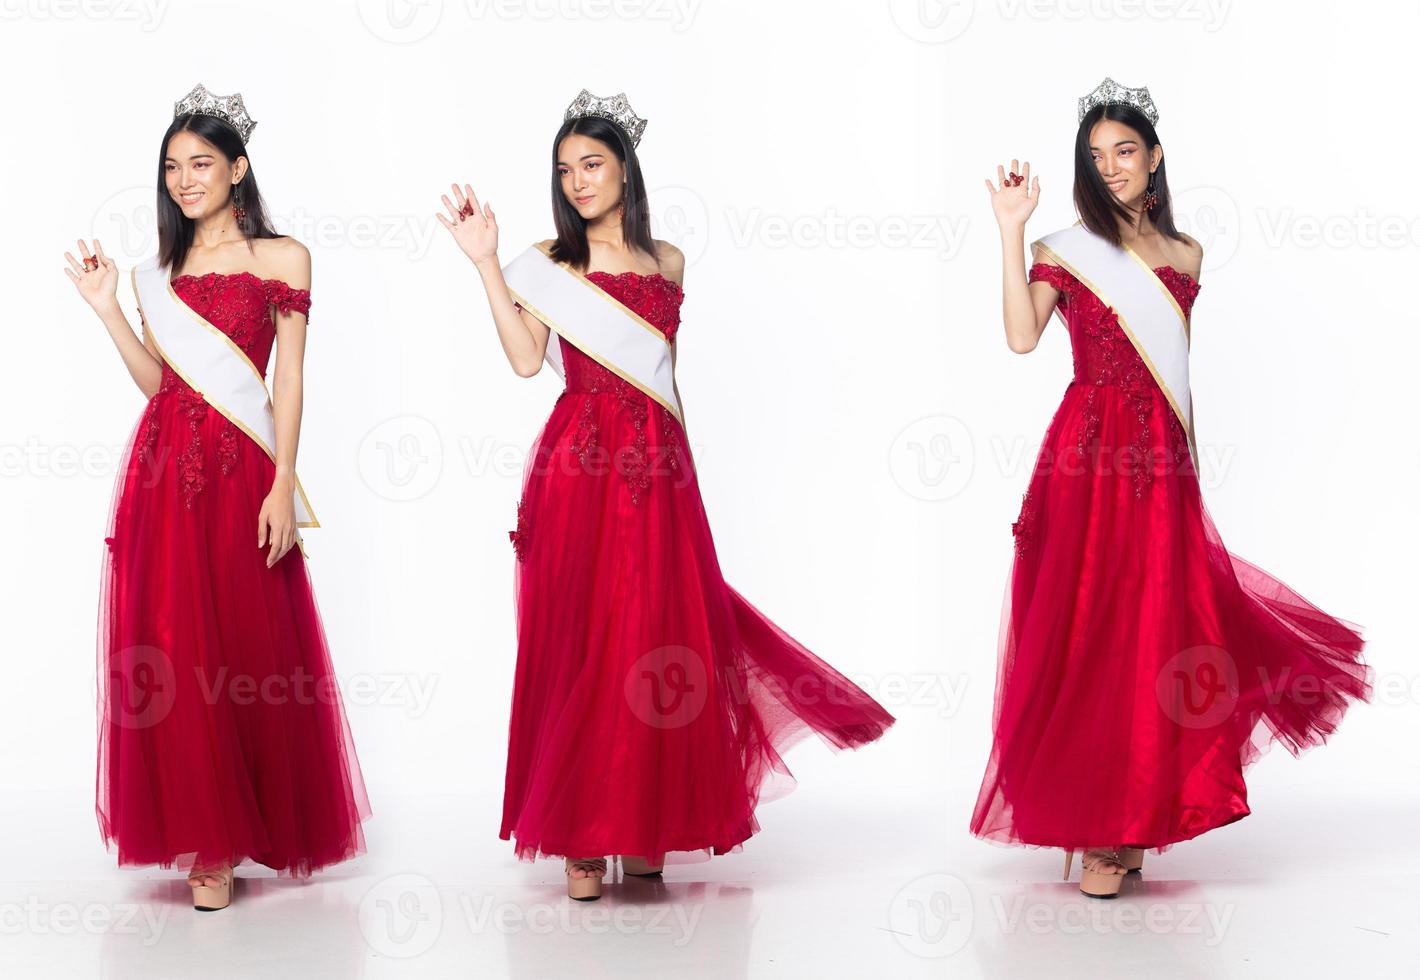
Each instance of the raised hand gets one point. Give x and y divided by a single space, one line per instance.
1013 200
96 277
473 227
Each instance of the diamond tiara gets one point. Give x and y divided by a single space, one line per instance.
228 108
614 108
1110 92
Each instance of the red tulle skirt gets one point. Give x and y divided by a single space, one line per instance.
1142 666
652 703
221 732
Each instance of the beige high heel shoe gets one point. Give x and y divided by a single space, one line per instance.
638 867
1094 882
586 887
1132 858
212 898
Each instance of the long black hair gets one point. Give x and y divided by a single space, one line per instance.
175 229
1100 211
571 246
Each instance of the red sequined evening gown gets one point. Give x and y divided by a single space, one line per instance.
651 702
1142 666
221 732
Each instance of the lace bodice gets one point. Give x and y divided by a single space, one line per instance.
1102 352
1105 356
240 304
658 301
655 298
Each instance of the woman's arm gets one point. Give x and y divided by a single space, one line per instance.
1025 307
1192 262
672 263
290 262
99 288
524 337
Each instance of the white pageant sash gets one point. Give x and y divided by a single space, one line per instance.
212 365
1148 313
595 322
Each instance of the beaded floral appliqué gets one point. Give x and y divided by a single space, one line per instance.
519 537
1104 355
656 300
1024 530
241 305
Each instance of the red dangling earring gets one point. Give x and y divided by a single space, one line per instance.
1151 199
238 212
621 210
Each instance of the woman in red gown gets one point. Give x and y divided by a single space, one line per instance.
221 732
651 701
1142 666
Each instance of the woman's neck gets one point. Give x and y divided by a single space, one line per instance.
216 230
1141 227
606 231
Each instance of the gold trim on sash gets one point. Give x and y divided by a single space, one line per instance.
1163 287
643 322
1184 421
557 328
1168 293
223 410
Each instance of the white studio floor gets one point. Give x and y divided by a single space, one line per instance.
833 886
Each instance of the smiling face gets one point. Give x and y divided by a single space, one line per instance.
592 176
1122 159
199 178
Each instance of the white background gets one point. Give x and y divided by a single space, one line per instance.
863 437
